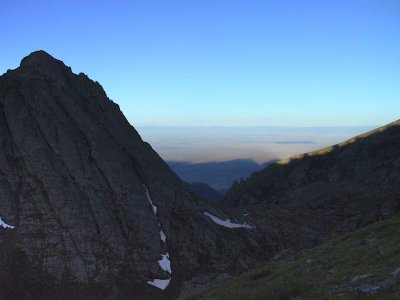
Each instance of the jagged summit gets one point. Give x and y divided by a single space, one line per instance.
42 62
39 57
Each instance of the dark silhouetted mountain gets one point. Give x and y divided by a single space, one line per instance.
206 191
96 212
300 201
218 175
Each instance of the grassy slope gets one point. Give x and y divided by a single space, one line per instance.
327 271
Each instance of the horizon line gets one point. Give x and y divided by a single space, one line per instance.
254 126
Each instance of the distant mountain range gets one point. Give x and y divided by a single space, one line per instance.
218 175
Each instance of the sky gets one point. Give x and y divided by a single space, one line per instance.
223 62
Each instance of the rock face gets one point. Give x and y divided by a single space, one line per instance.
300 201
96 212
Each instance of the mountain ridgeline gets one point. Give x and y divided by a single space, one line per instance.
336 197
300 201
88 209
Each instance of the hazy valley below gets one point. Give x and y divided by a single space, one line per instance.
218 175
218 156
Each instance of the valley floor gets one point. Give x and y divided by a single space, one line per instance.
364 264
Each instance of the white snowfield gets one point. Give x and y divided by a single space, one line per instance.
160 283
227 223
4 225
164 262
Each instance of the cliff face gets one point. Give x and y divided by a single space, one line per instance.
300 201
96 212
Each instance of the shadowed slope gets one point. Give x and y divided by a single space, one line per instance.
365 263
299 201
94 207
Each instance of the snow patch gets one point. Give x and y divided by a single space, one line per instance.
4 225
165 263
227 223
163 237
150 201
160 283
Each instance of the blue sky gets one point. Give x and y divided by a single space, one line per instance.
223 62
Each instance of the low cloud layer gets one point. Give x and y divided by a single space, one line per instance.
205 144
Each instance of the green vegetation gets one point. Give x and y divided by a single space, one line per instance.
339 269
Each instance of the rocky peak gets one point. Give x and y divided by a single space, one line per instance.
89 209
40 57
43 63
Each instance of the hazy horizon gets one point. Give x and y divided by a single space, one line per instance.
261 144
